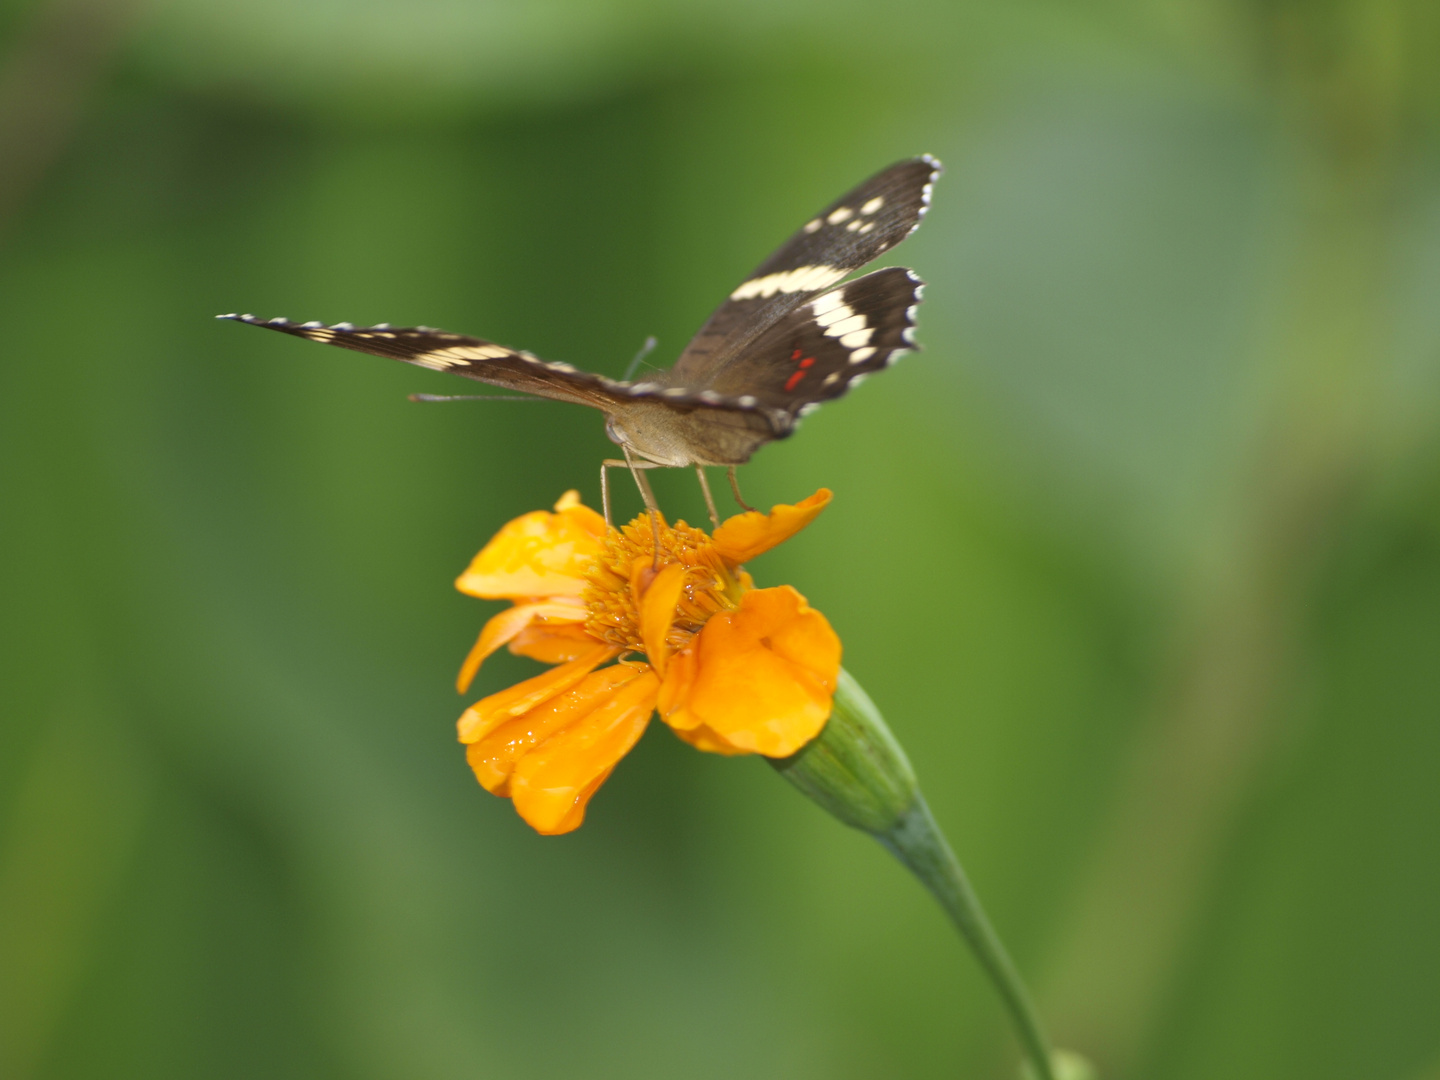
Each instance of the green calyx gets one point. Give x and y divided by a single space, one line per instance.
854 768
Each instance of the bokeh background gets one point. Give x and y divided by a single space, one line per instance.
1140 556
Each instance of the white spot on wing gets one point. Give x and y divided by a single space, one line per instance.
869 226
873 205
859 356
841 312
857 338
828 302
813 225
853 225
459 353
747 401
834 376
839 214
842 328
801 279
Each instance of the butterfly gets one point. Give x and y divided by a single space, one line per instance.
790 337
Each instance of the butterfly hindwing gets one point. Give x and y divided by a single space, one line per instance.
820 349
854 230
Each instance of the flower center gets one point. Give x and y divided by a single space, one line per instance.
618 578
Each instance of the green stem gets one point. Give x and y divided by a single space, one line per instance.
857 771
916 840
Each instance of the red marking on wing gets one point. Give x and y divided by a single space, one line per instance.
794 379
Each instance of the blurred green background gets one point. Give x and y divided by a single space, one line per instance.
1140 557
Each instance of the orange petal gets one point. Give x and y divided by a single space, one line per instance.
575 816
552 643
657 612
703 738
675 689
763 676
746 535
552 784
489 713
493 757
506 626
537 554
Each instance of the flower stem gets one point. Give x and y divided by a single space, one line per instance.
857 771
916 840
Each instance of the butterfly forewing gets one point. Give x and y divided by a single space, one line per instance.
855 229
474 358
497 365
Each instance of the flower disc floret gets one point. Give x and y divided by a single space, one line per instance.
627 567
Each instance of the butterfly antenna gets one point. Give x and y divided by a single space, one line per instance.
645 350
428 398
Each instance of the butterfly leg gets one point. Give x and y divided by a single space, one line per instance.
651 506
641 482
709 499
611 463
735 488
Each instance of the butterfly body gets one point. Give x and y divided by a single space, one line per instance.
667 436
788 338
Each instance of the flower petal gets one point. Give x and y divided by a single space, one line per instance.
762 676
657 612
506 626
489 713
552 784
675 689
703 738
552 642
746 535
493 757
537 554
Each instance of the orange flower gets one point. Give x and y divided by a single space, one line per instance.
732 669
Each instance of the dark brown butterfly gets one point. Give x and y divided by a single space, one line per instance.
789 338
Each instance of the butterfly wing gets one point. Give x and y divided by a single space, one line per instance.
827 345
855 229
473 358
499 365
